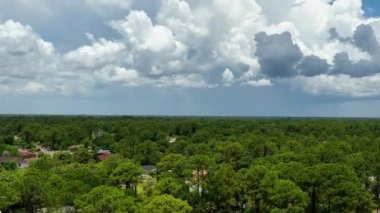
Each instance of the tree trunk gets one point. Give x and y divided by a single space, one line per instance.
329 208
257 206
313 202
128 185
30 208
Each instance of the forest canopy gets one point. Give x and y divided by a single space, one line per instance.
188 164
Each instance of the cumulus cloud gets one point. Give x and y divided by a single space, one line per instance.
187 43
110 75
344 65
153 48
364 38
138 29
288 60
228 77
23 53
313 65
25 59
259 83
277 54
100 53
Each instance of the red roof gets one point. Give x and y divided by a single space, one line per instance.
104 156
26 154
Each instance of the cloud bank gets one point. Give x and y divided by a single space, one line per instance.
318 46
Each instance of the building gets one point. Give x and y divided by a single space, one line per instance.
25 154
104 156
103 151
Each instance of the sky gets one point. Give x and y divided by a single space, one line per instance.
306 58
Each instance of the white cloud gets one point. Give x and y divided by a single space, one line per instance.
342 85
228 77
138 29
127 77
259 83
25 59
122 4
33 87
152 49
185 44
100 53
182 81
22 52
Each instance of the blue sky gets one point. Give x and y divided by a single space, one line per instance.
177 57
371 7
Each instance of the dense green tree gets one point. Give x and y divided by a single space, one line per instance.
175 165
127 173
105 199
286 196
165 203
257 181
82 155
32 189
329 184
85 173
215 165
221 187
148 152
105 141
171 186
231 153
127 147
9 194
45 163
105 168
200 164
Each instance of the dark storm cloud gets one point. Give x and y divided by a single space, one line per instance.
364 38
344 65
277 54
279 57
312 66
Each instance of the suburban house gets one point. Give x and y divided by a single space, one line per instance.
25 154
103 151
103 154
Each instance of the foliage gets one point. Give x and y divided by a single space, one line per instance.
165 203
104 199
214 165
127 173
